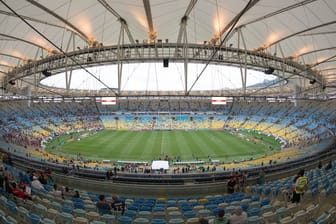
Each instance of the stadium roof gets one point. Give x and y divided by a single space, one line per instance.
302 32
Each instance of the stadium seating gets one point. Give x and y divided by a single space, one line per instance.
296 126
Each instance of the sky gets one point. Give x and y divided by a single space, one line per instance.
155 77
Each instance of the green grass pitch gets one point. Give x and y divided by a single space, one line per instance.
188 145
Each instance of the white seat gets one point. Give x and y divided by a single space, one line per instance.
80 220
301 216
269 217
288 220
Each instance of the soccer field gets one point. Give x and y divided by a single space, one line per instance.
149 145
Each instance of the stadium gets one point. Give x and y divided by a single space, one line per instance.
166 104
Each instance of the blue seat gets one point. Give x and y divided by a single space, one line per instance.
186 208
11 207
245 206
130 213
104 211
158 221
67 209
146 208
267 191
265 201
124 219
254 212
211 206
78 204
35 219
189 214
158 209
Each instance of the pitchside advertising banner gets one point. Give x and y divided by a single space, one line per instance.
108 100
218 100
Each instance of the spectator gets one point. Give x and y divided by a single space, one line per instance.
231 185
220 218
2 177
109 174
102 205
67 193
261 179
8 174
47 173
36 184
244 180
299 187
117 204
76 194
238 216
19 193
6 185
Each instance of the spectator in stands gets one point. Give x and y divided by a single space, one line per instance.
6 185
299 186
261 179
36 184
231 185
117 204
2 176
20 193
220 218
67 193
238 216
76 194
47 173
102 205
109 174
244 180
8 174
17 192
23 178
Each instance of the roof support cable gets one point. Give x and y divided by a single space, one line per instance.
58 48
233 24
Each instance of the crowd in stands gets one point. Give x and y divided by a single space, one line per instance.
260 203
300 125
30 126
